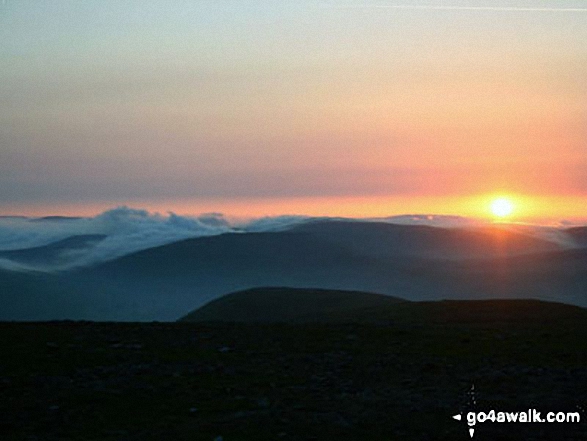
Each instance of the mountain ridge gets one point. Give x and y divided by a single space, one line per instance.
308 305
168 281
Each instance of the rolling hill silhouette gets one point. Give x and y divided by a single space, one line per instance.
394 240
262 305
287 305
52 253
579 235
410 262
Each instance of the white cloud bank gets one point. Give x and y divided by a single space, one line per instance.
127 230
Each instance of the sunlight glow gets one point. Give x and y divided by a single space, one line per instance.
502 207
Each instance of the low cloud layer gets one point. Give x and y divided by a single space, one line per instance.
124 230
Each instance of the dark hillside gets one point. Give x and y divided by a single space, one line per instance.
392 240
50 254
290 305
579 235
338 381
167 282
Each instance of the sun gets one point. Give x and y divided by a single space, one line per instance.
502 207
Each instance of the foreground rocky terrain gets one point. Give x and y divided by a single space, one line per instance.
398 380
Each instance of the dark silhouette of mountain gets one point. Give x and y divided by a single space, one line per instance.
434 220
171 277
51 254
384 239
555 276
410 262
355 379
34 296
206 268
55 218
579 235
290 305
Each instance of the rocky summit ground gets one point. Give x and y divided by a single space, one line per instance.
401 380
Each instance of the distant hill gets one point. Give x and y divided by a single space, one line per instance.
288 305
579 235
52 253
33 296
393 240
55 218
417 263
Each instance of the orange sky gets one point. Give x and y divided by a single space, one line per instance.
527 209
258 108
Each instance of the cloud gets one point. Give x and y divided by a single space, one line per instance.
10 265
126 230
129 230
275 223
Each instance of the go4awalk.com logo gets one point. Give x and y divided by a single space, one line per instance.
473 417
529 416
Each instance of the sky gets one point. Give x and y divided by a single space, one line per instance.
343 108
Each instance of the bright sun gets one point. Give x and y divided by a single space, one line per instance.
502 207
